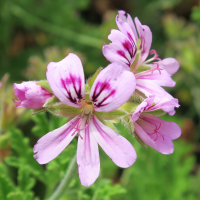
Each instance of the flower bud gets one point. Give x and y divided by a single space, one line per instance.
31 95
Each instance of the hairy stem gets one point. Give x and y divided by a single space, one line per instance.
65 181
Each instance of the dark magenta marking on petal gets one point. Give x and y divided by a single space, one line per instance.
121 53
101 86
100 104
73 80
128 47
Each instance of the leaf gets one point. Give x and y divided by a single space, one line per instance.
21 195
6 185
24 154
91 80
25 182
45 85
63 110
42 124
116 114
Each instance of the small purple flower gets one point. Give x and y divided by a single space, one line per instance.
109 91
30 95
154 131
124 50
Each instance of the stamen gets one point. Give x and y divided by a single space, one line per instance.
155 130
156 56
78 128
150 70
157 68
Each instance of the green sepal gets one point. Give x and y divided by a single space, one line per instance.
36 111
116 114
139 139
87 97
128 123
138 44
45 85
91 80
87 89
142 68
132 104
110 125
63 110
139 95
51 101
134 64
157 113
129 107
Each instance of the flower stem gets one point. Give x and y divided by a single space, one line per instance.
65 181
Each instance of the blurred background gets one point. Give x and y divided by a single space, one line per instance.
36 32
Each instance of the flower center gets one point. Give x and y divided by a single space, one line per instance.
84 119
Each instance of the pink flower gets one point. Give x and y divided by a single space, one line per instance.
123 50
30 95
156 132
109 91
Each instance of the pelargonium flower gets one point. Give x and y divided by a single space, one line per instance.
31 95
124 50
108 92
152 130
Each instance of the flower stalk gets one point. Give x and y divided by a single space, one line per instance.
65 181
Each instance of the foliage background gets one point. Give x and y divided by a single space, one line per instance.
33 33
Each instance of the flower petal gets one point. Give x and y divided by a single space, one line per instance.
159 131
146 39
113 86
144 136
53 143
142 107
149 88
88 158
169 129
171 65
113 53
162 78
166 105
115 146
66 79
126 26
120 49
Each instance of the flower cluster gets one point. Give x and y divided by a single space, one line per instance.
127 90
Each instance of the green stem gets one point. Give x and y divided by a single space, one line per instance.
65 181
49 27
